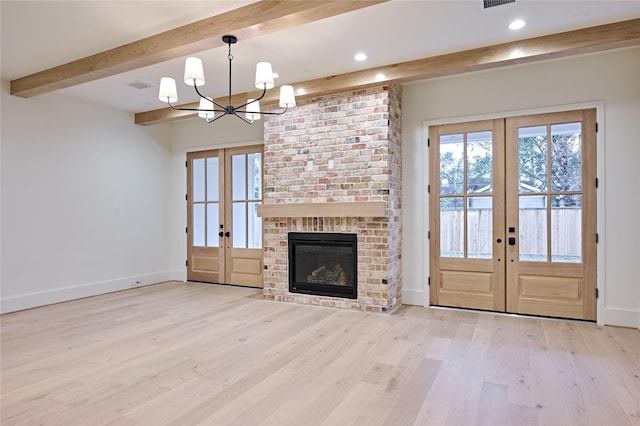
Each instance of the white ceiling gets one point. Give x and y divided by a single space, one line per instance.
37 35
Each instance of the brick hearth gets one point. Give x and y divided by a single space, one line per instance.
341 148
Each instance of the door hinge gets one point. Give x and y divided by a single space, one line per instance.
597 293
186 164
428 189
429 281
428 141
186 197
596 127
597 182
186 263
428 235
186 230
597 238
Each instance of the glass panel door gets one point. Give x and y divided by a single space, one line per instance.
551 256
465 228
203 213
244 247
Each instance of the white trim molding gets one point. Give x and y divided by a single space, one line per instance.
42 298
415 297
621 317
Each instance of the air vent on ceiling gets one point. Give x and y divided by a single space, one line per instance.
139 85
492 3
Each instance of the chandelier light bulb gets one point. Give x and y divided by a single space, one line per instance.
168 92
253 110
206 104
287 98
264 75
193 72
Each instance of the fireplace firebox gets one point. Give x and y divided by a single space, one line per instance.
323 264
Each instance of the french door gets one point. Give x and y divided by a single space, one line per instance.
513 215
224 233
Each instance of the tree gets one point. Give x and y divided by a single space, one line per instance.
534 163
480 165
564 163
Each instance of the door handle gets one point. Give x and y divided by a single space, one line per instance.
227 234
512 241
220 234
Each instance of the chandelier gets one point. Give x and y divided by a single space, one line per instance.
209 109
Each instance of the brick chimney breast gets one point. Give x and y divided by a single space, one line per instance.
340 148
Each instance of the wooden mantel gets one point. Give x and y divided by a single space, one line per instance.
350 209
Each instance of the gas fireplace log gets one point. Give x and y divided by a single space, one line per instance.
337 269
339 275
318 271
324 275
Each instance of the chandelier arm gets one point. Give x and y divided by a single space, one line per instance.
276 113
264 91
214 119
209 100
243 119
263 112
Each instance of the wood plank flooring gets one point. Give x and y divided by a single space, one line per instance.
195 354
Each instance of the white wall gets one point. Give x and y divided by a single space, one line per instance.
611 78
84 200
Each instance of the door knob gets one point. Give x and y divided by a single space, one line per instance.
512 241
499 240
220 234
227 234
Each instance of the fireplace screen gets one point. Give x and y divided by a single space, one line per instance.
323 264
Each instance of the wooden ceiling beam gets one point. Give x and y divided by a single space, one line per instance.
253 20
593 39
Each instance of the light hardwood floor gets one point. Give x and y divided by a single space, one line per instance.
187 354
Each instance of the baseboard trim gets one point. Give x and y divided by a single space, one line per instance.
413 297
178 275
64 294
621 317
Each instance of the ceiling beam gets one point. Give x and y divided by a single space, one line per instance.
250 21
593 39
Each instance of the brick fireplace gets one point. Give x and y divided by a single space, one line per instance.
332 165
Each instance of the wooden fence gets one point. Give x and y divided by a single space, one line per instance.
566 242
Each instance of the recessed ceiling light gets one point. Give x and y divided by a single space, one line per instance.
380 77
360 57
276 75
517 24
